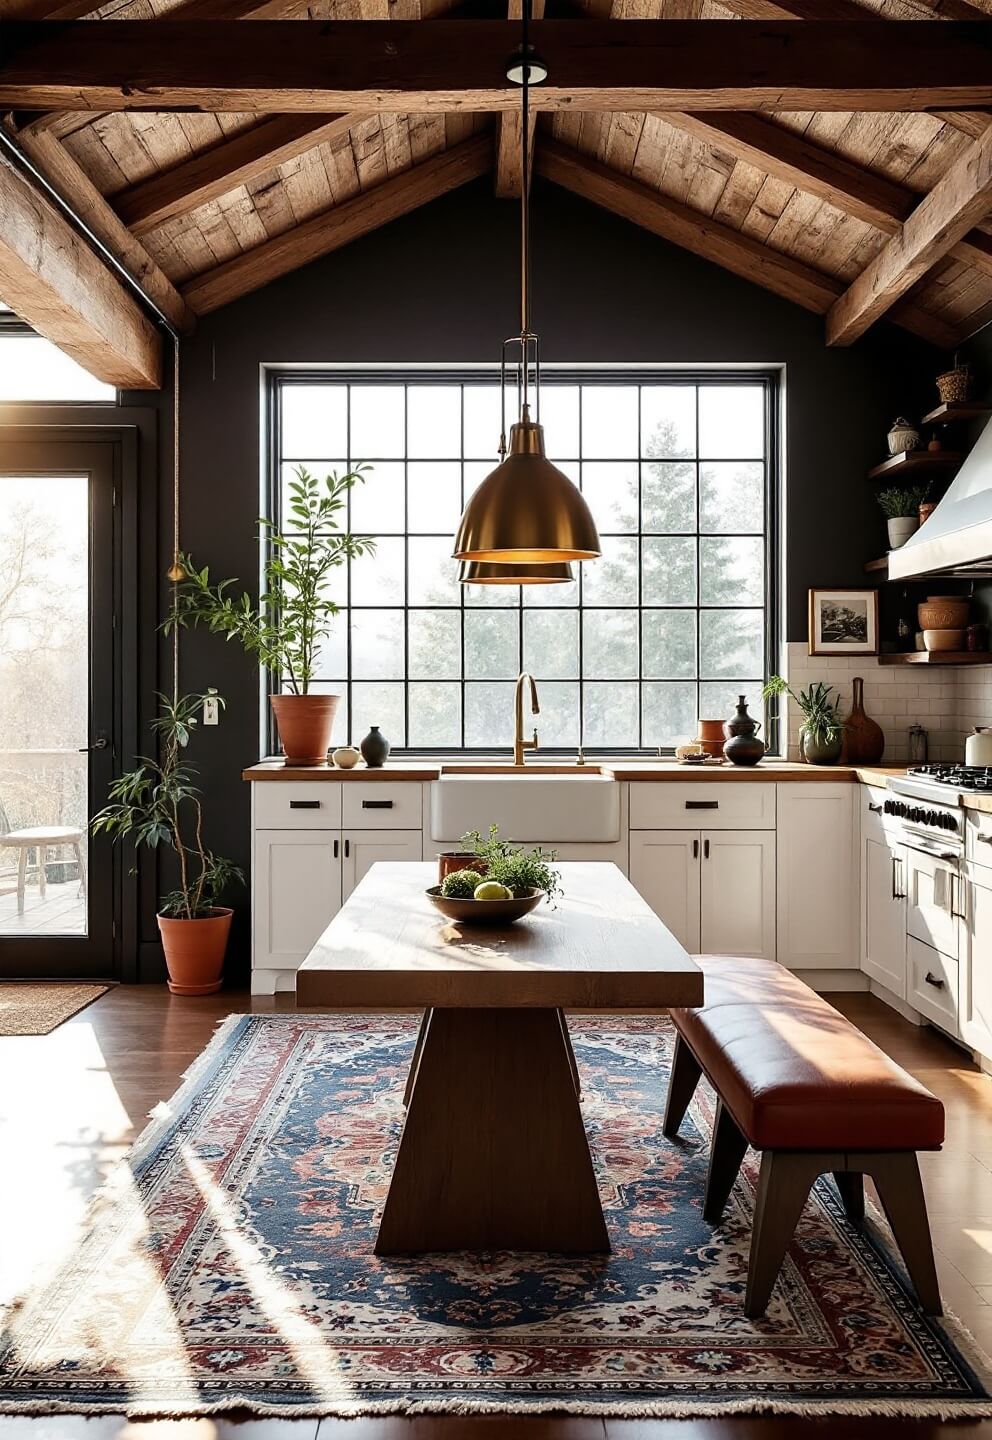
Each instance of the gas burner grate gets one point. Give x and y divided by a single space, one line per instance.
961 777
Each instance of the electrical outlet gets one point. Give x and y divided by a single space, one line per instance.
211 709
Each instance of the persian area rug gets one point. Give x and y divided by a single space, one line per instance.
229 1266
32 1007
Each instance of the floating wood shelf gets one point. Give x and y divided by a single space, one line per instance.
955 410
916 460
874 565
936 657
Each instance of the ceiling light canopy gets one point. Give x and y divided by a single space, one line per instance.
527 512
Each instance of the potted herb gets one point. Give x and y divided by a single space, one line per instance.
519 870
158 804
901 509
294 614
821 734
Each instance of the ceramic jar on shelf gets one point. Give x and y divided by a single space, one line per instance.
902 436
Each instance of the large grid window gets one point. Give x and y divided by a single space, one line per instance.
671 623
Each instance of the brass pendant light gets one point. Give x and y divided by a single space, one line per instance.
527 512
484 572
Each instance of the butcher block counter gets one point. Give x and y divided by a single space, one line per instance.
421 771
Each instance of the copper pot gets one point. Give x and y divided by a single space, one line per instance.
305 723
451 860
194 950
711 737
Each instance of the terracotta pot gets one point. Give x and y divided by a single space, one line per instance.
865 741
451 860
943 612
711 737
194 951
305 723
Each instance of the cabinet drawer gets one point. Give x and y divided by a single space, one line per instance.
382 805
978 837
932 984
709 805
297 805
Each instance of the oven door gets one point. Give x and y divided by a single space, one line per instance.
934 897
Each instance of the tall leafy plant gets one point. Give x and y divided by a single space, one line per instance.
295 612
157 804
821 720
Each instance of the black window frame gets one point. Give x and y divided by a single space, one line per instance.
769 378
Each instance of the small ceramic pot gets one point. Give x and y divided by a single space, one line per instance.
978 746
943 612
902 436
926 510
820 752
346 757
943 640
451 860
900 527
375 748
711 737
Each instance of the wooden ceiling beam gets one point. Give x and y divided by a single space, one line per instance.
337 227
51 278
226 165
801 162
450 65
962 196
508 184
703 236
79 192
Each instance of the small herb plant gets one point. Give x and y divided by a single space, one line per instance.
460 884
897 503
518 869
295 613
158 804
821 721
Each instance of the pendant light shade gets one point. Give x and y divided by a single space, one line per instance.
483 572
527 511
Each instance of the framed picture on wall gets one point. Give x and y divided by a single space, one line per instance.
843 622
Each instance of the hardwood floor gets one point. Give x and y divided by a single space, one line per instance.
71 1103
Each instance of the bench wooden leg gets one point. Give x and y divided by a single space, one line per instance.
900 1189
685 1075
726 1154
851 1185
783 1188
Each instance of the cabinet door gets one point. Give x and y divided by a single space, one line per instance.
362 848
296 892
738 893
932 901
976 971
664 868
883 912
817 876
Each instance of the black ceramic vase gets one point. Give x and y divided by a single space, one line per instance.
375 748
742 745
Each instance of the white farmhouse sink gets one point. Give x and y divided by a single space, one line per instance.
579 807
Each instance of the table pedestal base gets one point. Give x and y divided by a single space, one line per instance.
494 1153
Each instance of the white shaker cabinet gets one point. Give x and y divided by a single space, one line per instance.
360 849
883 911
975 975
296 890
817 876
714 889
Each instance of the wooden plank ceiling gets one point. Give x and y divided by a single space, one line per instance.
205 207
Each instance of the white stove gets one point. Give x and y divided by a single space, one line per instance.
928 801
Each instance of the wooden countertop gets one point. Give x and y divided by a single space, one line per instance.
601 948
650 770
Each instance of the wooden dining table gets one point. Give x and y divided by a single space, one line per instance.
493 1153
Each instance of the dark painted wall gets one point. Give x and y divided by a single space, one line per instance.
440 286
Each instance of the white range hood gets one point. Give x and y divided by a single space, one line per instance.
957 538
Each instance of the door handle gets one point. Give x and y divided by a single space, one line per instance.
336 849
706 849
932 980
377 804
304 804
100 743
695 849
895 862
347 849
984 839
702 804
955 886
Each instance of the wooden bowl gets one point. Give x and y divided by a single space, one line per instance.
484 912
943 639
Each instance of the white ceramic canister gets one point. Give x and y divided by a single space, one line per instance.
978 746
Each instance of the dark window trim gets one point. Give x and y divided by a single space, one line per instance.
771 378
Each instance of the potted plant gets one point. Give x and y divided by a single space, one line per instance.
158 804
821 734
901 509
294 613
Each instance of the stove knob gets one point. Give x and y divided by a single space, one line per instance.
889 807
932 817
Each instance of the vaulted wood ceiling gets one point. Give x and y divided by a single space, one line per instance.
852 214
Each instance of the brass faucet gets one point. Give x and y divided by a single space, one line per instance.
519 743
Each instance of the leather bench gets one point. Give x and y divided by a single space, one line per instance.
801 1084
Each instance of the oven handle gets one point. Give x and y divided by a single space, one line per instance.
915 843
897 893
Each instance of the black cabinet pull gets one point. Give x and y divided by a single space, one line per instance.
695 849
304 804
702 804
347 849
706 849
377 804
932 980
875 809
335 849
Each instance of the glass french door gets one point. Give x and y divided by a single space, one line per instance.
57 706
